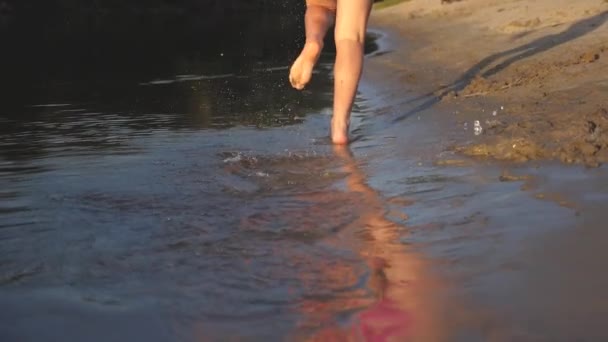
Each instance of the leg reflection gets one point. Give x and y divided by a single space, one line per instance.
405 306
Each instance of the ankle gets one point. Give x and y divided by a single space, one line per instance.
313 46
340 122
339 131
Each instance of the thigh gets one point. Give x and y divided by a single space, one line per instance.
329 4
351 19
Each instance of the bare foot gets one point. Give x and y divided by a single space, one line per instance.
301 70
339 132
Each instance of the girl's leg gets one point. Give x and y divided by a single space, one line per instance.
351 24
317 20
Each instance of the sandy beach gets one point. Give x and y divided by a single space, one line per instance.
533 73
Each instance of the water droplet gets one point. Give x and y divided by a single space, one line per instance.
233 159
477 127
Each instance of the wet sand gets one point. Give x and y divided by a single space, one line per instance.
520 245
541 66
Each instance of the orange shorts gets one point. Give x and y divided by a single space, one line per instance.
330 4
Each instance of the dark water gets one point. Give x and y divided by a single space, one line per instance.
189 195
186 196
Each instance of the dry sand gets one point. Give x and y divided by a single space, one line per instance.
541 64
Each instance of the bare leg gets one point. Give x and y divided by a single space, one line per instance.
351 24
318 19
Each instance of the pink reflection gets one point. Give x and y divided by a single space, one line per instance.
404 307
383 321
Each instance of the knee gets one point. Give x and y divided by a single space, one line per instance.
354 40
351 36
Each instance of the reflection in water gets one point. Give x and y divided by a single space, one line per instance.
399 300
120 191
153 185
128 206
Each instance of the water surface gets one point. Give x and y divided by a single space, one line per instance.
192 197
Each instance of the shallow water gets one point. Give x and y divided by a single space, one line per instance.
201 198
190 204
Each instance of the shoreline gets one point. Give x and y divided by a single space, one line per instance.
521 249
534 76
